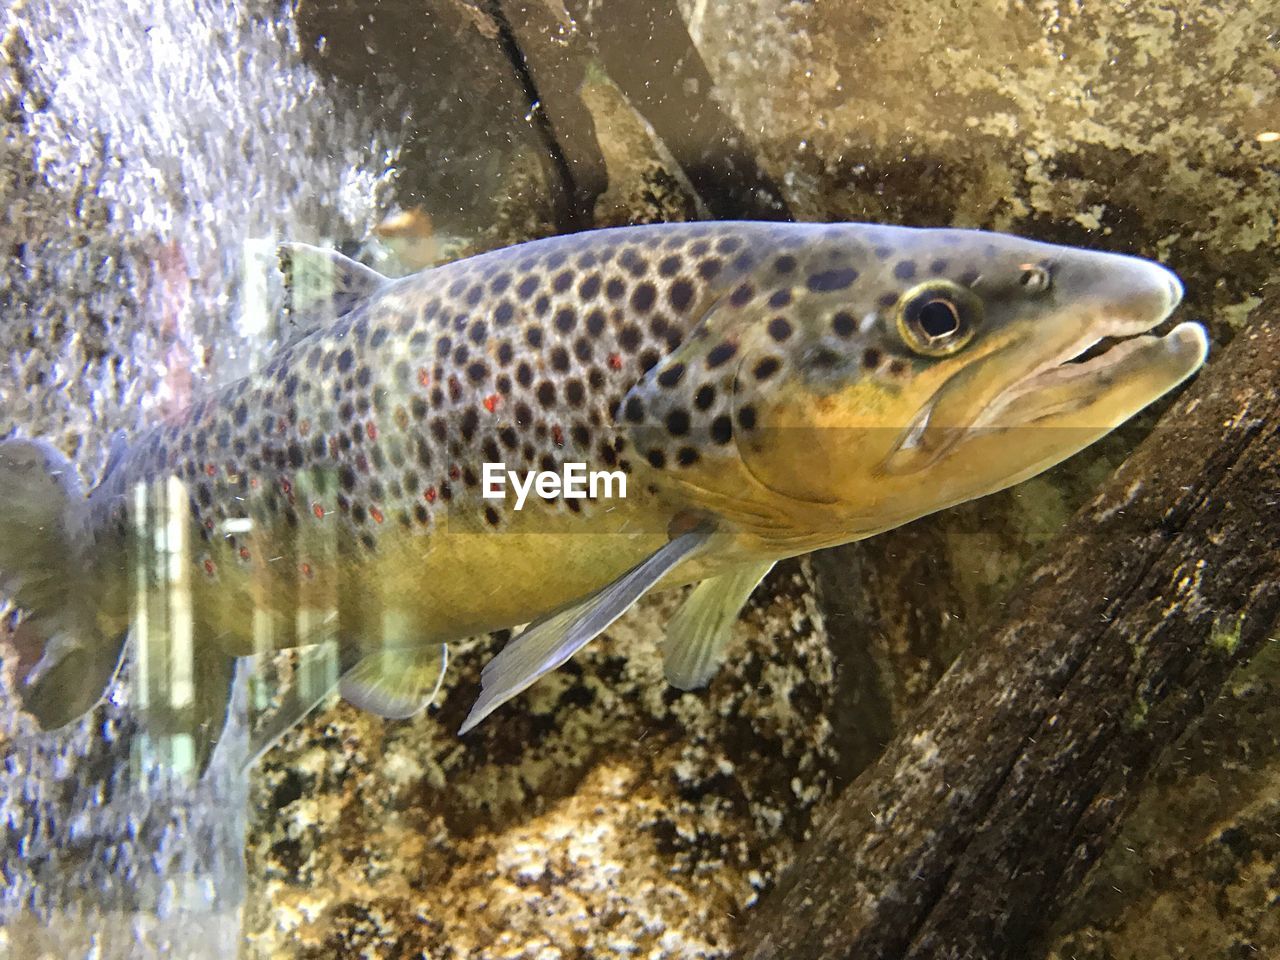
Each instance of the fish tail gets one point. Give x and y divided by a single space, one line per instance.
44 571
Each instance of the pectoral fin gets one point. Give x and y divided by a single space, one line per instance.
701 629
396 683
549 642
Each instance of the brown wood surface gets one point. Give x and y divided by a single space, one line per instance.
991 804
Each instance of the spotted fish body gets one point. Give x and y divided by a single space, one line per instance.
766 389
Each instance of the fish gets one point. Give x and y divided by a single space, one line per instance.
751 391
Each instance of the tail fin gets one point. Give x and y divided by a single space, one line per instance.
43 542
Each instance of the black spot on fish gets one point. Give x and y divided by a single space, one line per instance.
747 417
566 319
503 314
562 282
474 295
779 299
589 287
500 283
633 263
672 375
478 371
843 324
547 393
574 393
904 269
721 429
710 268
687 456
533 336
629 338
766 368
595 322
705 398
345 360
634 410
479 332
871 358
678 423
643 296
582 349
785 263
681 295
614 289
657 458
721 354
542 305
527 287
470 420
828 280
669 266
560 360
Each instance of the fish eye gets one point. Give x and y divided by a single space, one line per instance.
938 318
1034 278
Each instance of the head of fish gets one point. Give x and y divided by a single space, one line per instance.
878 374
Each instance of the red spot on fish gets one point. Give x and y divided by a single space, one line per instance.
557 435
429 494
306 570
208 524
318 510
244 553
615 361
371 429
209 568
454 472
285 485
210 469
424 378
376 514
304 427
253 483
491 402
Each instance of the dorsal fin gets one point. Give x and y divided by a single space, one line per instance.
320 286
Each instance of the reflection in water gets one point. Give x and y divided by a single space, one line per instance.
172 141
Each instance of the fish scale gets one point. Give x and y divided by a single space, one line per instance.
765 389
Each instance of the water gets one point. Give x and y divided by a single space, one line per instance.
153 155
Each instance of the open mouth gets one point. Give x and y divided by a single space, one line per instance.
1157 357
1074 379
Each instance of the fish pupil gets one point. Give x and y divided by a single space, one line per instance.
938 318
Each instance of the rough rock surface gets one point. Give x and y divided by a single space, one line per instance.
603 814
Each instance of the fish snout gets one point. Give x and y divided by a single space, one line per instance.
1133 293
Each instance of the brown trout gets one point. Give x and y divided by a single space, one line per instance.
744 392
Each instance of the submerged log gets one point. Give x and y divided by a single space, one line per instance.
987 810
